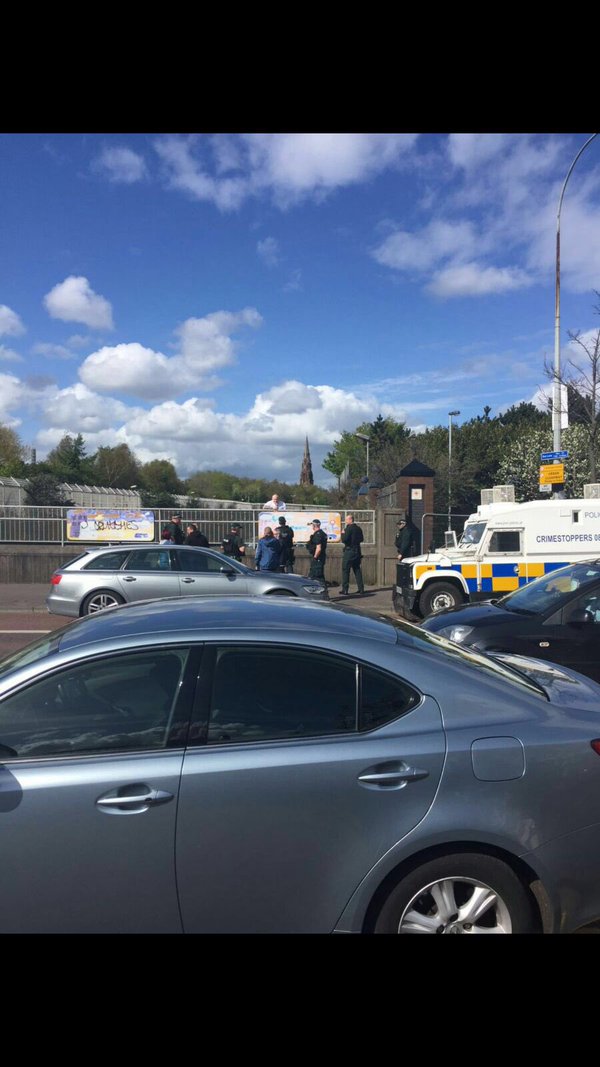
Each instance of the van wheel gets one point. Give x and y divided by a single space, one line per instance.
439 595
459 894
99 601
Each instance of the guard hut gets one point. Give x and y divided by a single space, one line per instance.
415 497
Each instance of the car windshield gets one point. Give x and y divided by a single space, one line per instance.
546 592
472 533
37 650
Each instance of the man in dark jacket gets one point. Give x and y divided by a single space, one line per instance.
174 528
352 538
233 543
317 546
195 536
407 536
286 540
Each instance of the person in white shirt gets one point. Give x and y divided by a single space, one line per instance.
274 504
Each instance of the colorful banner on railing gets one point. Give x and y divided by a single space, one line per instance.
300 522
109 524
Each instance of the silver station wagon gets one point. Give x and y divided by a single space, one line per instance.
264 765
104 577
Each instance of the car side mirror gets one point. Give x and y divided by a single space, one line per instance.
581 617
227 570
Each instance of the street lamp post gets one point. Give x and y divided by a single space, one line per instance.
556 412
365 437
450 416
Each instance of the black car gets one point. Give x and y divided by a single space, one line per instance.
556 617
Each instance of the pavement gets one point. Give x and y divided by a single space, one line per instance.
32 597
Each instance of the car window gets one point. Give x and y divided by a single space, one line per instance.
151 559
261 694
589 602
106 561
110 704
505 541
383 698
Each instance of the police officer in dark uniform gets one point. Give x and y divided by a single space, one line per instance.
352 538
286 539
195 536
406 538
174 528
233 543
317 546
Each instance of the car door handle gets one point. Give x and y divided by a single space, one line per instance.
129 578
188 580
388 779
117 801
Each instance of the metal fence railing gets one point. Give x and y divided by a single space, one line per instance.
27 524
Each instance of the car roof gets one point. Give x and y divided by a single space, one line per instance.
225 613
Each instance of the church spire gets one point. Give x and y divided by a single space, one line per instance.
306 474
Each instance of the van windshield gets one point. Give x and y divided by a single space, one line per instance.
472 534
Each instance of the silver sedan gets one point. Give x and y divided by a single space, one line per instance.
264 765
104 577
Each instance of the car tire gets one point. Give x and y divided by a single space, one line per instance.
458 894
100 600
437 596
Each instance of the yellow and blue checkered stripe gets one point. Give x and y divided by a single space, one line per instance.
495 577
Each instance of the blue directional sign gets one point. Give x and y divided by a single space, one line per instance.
554 455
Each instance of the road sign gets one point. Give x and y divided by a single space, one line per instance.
545 488
554 455
552 474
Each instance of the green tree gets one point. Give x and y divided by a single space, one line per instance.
116 467
12 453
159 484
69 462
520 466
44 490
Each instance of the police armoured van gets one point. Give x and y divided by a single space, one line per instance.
503 546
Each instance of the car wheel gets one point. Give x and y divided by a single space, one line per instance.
439 595
458 894
99 601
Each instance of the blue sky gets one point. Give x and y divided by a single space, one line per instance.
214 299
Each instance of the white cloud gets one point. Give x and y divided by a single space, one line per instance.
78 341
52 351
12 395
427 247
205 345
292 398
8 355
470 150
268 439
120 165
294 283
75 301
474 279
288 166
131 369
494 223
10 323
268 251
